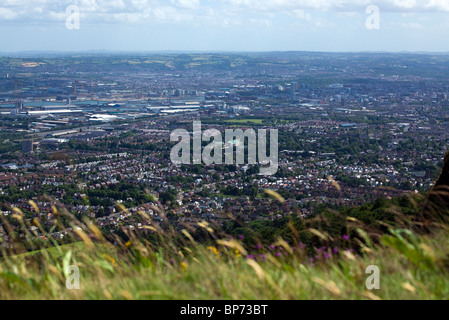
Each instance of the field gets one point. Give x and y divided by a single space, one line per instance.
245 121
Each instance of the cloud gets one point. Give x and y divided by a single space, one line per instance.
187 4
339 5
98 11
412 25
301 14
7 14
440 5
210 12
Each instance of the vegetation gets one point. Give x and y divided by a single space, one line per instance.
322 258
412 267
159 263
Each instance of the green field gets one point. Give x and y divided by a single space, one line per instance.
245 121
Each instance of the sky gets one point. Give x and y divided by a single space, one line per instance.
224 25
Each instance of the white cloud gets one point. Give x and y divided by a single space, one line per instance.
7 14
411 25
97 11
188 4
301 14
339 5
216 12
440 5
406 4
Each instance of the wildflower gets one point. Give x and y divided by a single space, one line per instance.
272 248
335 250
214 250
326 255
251 256
259 246
301 245
237 253
128 244
241 237
345 237
278 254
184 265
112 260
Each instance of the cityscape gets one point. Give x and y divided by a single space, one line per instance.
219 157
83 136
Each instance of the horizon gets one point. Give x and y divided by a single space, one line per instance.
120 52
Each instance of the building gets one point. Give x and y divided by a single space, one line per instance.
27 146
18 109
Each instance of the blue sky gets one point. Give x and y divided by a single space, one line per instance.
224 25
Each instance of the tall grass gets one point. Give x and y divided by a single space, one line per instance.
413 265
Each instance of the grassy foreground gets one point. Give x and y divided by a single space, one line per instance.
411 267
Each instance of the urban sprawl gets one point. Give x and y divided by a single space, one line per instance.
91 133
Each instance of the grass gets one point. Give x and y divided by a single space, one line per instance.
57 251
412 265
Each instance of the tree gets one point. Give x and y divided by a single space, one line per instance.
168 197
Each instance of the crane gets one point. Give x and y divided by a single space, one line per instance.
79 85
